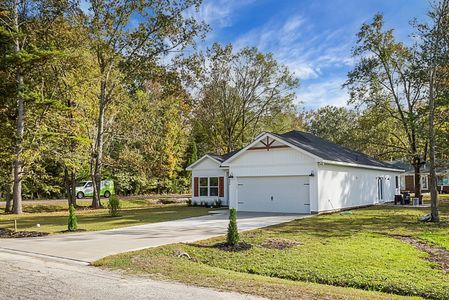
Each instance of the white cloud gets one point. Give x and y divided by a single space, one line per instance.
220 13
318 58
329 92
297 45
292 24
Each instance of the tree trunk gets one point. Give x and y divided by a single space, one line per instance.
73 186
432 177
69 187
18 163
8 205
98 151
70 176
417 166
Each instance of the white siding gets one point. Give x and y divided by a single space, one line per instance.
342 187
210 168
276 162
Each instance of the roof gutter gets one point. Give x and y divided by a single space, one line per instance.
338 163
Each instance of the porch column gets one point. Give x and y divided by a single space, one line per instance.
233 197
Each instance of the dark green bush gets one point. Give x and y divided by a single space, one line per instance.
233 233
72 223
114 206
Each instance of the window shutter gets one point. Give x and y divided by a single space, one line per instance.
195 186
221 187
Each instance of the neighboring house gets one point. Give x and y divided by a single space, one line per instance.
408 177
294 172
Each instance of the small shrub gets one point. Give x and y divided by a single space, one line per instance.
72 223
233 233
114 206
189 202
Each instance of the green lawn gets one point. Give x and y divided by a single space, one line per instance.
53 217
360 251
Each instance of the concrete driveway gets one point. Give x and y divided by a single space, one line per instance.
90 246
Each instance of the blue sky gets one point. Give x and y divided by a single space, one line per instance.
312 37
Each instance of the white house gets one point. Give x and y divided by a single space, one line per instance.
408 177
294 172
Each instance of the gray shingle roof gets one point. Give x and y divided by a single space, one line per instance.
441 166
324 149
222 158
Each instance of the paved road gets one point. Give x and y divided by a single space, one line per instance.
90 246
27 277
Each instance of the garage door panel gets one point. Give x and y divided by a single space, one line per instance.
286 194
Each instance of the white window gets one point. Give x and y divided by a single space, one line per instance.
204 186
424 185
209 186
213 186
402 182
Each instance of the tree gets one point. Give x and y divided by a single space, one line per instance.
193 153
366 131
435 57
237 92
121 47
147 151
25 29
336 124
232 237
386 79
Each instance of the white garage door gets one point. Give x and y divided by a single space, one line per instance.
286 194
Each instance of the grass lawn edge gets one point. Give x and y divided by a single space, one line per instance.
182 270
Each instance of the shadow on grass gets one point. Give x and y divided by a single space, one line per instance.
100 219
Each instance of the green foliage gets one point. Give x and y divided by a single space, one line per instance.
114 206
232 108
367 131
193 153
336 124
72 221
232 237
149 152
386 80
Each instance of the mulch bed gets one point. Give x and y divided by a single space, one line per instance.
279 244
437 255
242 246
7 233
